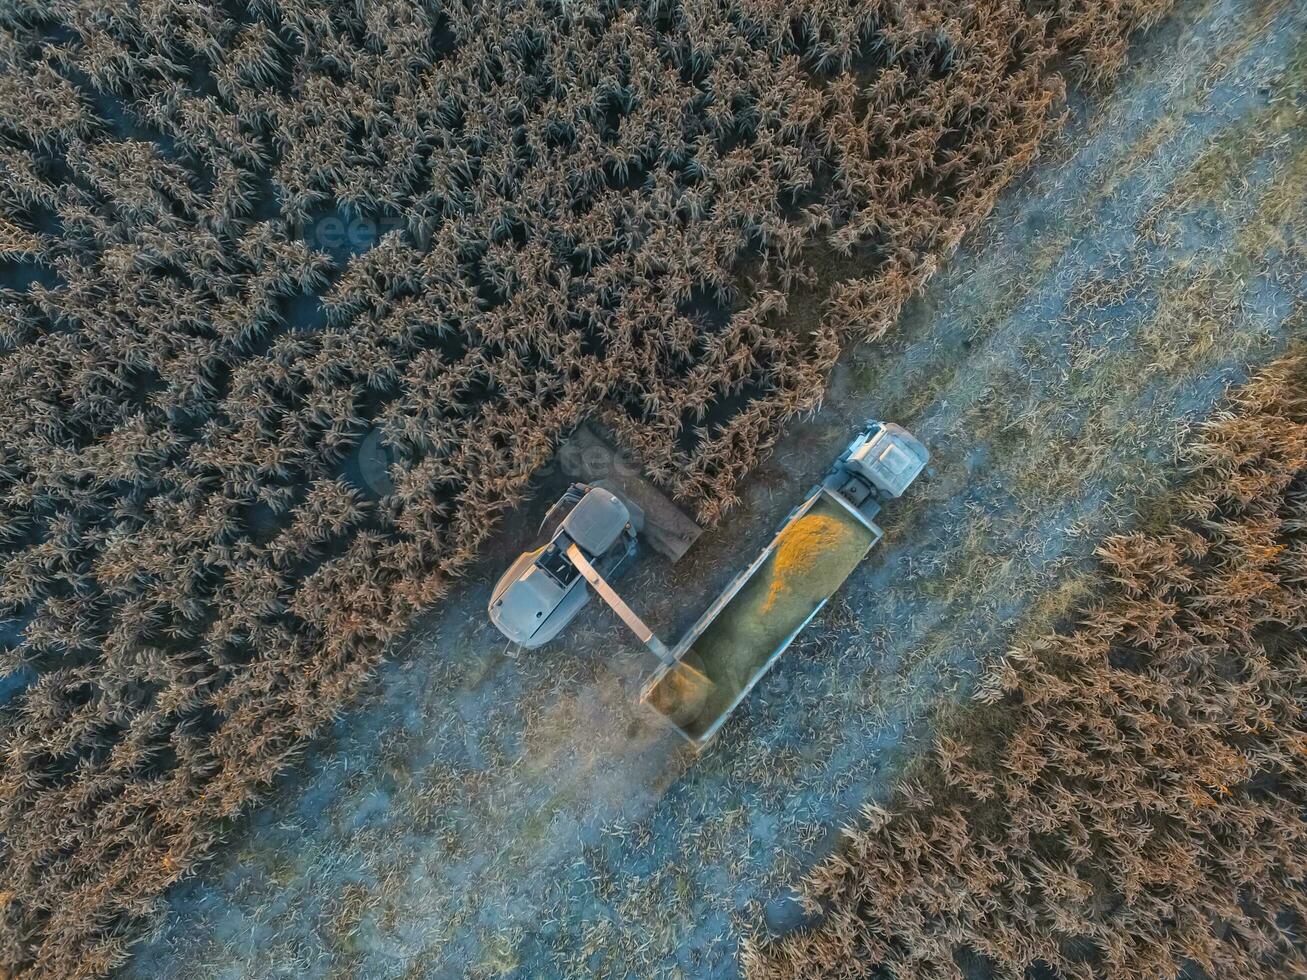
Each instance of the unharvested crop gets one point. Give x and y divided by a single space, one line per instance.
1127 798
576 192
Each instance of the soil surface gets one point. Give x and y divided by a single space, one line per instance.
485 814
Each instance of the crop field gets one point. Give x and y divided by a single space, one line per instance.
1127 799
297 302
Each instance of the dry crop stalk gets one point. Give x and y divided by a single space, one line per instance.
579 190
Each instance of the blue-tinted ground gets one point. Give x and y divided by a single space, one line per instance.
480 815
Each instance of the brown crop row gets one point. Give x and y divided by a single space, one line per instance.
572 188
1127 799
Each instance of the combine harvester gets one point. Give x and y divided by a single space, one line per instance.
589 536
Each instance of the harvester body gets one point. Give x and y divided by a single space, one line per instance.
543 590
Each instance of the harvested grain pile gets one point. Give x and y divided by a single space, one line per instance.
813 557
683 691
1127 799
197 577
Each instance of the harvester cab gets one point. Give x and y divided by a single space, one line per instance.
589 527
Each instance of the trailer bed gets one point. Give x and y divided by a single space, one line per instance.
763 609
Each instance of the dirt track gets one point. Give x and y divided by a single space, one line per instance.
483 815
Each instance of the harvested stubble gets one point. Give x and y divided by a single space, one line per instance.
573 188
1127 799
